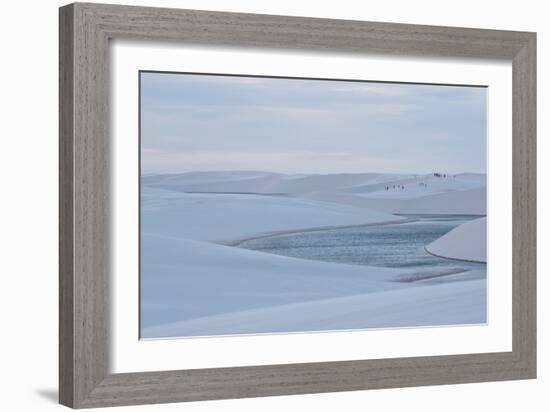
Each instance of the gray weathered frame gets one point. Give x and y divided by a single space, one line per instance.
85 31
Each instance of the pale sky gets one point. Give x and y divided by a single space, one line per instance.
199 122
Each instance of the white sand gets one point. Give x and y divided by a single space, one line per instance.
465 242
191 286
219 217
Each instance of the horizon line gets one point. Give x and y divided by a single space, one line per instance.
308 173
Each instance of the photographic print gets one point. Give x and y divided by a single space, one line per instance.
284 205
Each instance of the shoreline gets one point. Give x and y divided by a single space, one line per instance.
238 242
436 215
450 258
420 276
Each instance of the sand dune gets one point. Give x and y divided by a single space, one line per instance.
186 279
460 202
393 193
191 286
465 242
218 217
260 182
445 304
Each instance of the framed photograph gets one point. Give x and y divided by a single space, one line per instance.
258 205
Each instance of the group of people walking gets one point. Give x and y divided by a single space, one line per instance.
400 187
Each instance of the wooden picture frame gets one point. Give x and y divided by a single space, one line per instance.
85 31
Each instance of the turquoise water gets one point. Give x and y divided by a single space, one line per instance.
395 246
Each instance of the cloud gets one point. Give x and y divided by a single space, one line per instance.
221 122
